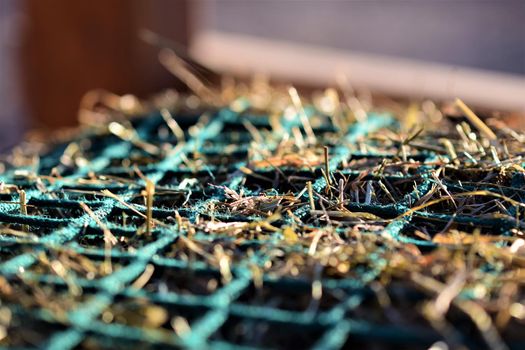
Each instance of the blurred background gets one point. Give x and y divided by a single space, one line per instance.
53 51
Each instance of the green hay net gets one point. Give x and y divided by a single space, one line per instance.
408 244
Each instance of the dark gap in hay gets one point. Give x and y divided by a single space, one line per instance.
219 158
392 341
284 181
124 174
97 342
372 163
165 199
399 310
475 174
198 181
513 332
25 331
280 296
226 139
233 128
432 226
93 238
10 250
260 333
8 197
183 281
92 192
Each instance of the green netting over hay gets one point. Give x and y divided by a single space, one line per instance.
237 258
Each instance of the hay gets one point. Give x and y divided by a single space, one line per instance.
256 217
